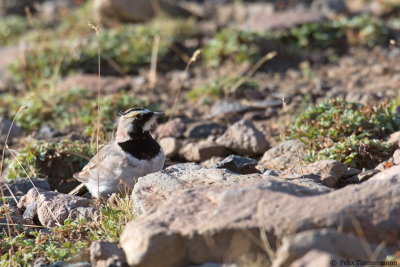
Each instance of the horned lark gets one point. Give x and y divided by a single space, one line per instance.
133 153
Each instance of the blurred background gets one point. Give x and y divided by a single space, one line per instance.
315 48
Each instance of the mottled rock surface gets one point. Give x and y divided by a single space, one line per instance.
170 145
238 164
244 138
221 224
154 188
327 172
203 150
51 207
346 246
104 254
284 155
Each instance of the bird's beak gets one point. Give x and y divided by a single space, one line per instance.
158 114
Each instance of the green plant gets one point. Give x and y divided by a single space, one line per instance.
34 158
61 244
12 27
123 49
239 45
116 213
219 87
63 109
67 241
358 30
348 132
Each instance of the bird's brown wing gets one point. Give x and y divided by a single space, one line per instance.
95 162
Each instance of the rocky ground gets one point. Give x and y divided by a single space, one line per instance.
281 132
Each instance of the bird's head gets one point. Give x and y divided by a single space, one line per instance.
135 121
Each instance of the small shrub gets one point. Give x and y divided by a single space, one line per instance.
358 30
34 159
349 132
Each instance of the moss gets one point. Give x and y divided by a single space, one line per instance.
349 132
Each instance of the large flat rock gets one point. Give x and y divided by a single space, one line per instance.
154 188
222 223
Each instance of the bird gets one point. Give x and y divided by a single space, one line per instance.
132 154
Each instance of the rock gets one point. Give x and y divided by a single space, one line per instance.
238 164
284 155
108 84
8 7
51 10
272 172
396 157
390 172
10 214
21 186
5 126
173 128
47 133
361 177
359 96
214 264
212 162
109 12
394 138
346 246
104 253
243 138
203 150
350 172
222 223
88 213
154 188
317 258
306 186
327 172
123 10
51 207
281 20
170 145
40 261
62 264
204 129
7 82
228 108
329 7
267 103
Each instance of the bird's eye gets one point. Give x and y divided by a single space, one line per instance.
139 116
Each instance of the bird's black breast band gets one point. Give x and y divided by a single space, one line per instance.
142 147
